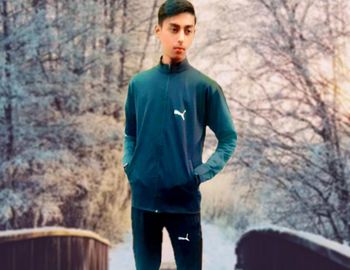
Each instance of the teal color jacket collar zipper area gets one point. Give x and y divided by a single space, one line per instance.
173 68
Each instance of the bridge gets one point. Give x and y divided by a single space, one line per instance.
269 248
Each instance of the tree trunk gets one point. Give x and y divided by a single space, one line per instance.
8 107
122 49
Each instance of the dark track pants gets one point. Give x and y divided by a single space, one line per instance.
185 234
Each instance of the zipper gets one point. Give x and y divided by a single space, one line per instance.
166 97
165 106
165 100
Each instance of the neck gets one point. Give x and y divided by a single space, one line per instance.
167 60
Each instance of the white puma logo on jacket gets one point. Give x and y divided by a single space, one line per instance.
181 114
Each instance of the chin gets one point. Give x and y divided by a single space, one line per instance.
178 58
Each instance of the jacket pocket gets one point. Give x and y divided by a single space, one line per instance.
128 167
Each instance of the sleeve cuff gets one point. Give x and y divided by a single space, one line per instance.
201 171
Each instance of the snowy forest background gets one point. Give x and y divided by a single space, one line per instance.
284 67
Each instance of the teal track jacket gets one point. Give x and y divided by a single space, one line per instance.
167 110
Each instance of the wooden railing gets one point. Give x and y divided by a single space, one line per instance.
56 248
279 248
53 248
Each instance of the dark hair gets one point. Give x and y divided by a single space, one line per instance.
174 7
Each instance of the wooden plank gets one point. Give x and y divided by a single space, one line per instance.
15 235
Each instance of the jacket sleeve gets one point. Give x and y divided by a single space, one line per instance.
219 120
130 126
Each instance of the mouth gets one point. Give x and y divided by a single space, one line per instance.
179 49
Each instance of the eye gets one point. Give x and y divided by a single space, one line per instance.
173 29
188 31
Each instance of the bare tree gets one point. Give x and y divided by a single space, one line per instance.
287 77
294 142
64 67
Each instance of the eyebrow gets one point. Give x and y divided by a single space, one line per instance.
186 26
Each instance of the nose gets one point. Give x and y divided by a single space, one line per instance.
181 37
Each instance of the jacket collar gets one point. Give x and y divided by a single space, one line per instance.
173 68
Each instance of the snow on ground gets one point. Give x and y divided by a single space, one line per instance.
218 251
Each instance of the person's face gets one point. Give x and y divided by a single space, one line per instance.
176 35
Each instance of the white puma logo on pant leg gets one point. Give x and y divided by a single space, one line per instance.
181 114
184 238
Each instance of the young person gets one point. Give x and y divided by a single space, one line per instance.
167 110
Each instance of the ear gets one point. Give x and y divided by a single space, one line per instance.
157 30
